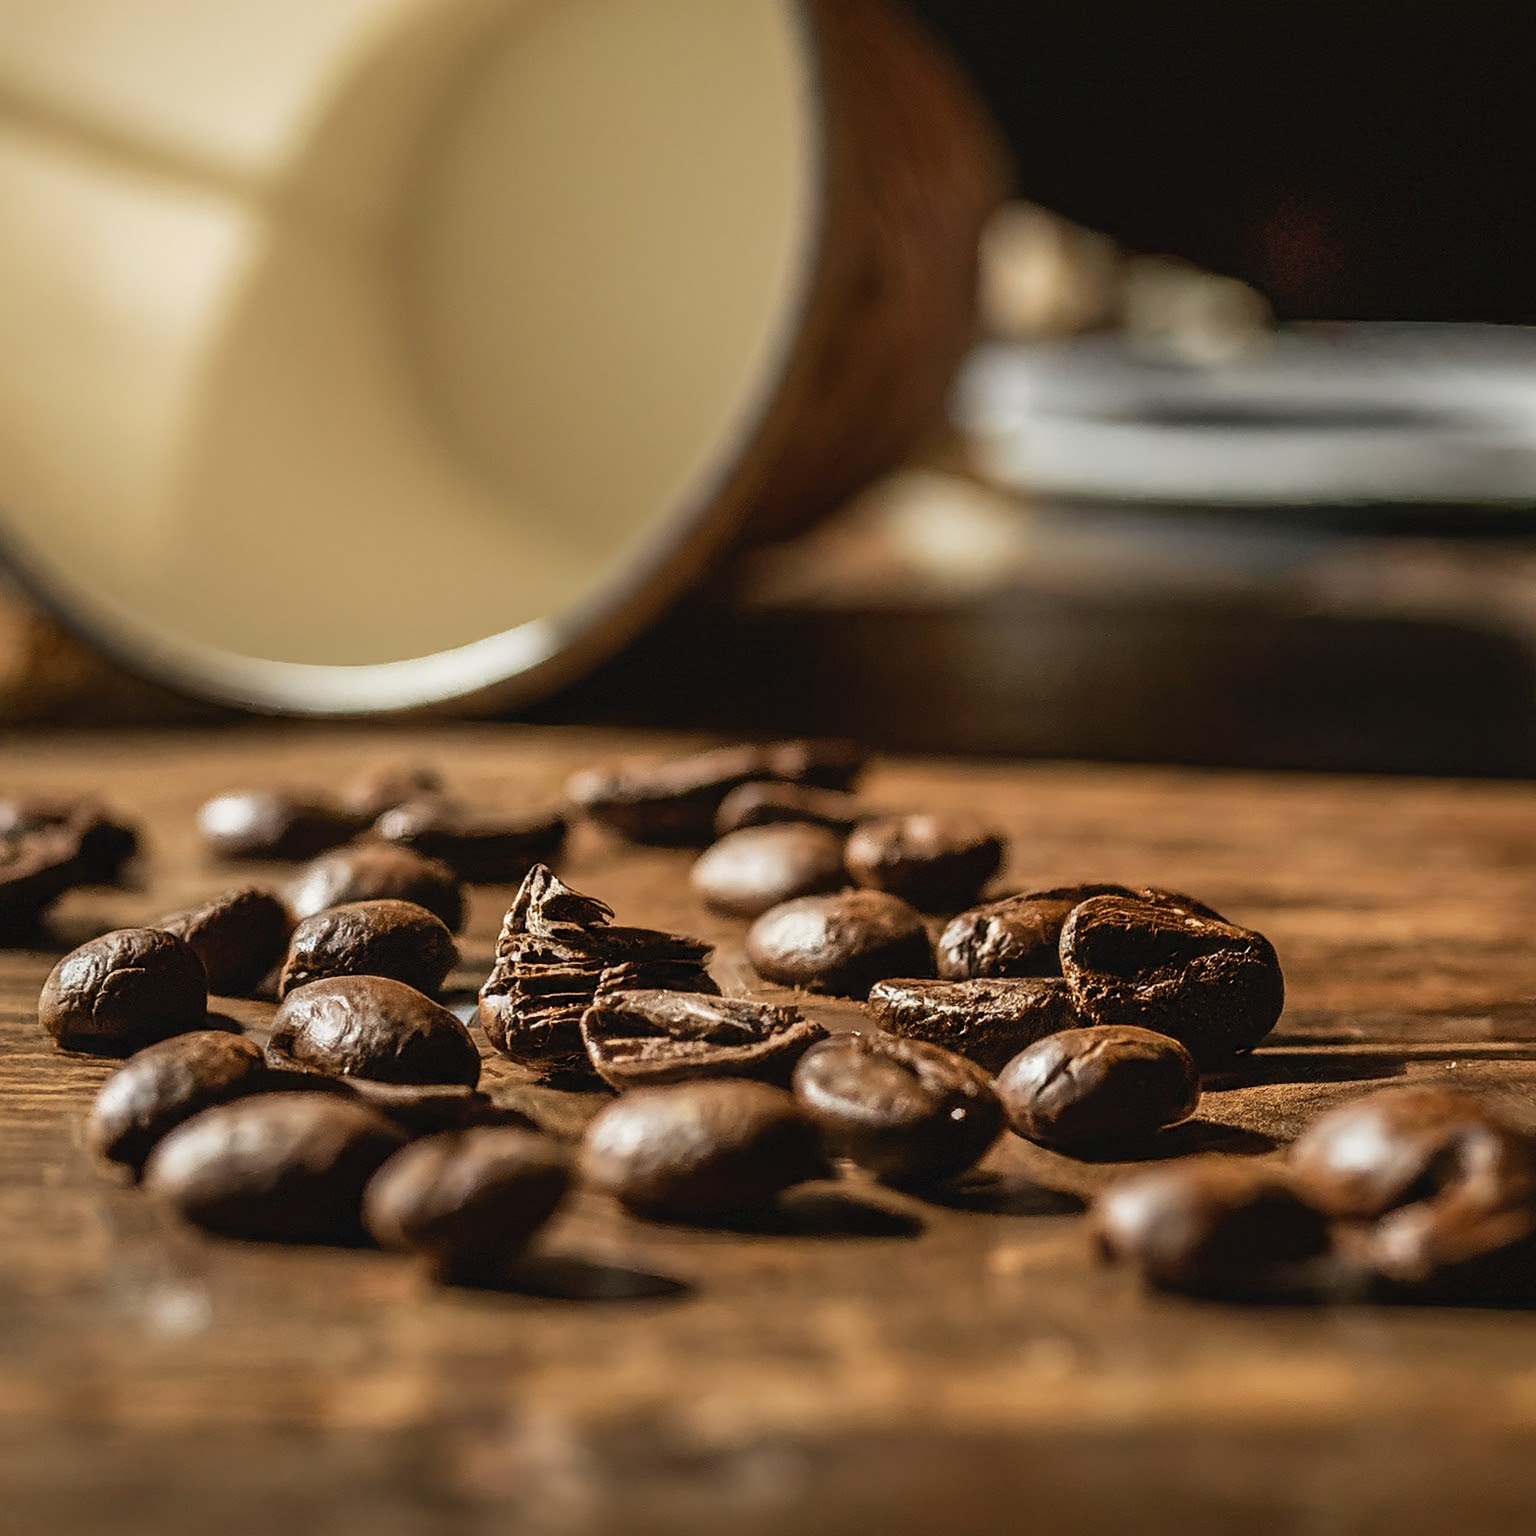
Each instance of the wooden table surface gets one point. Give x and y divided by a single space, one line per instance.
878 1363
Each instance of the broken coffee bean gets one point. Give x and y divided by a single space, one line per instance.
484 848
935 863
273 824
378 872
123 991
397 939
842 944
988 1020
766 802
239 936
747 872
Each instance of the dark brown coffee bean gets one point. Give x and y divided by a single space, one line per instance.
167 1083
124 991
273 824
239 936
370 1026
1213 986
906 1111
378 872
1105 1086
36 868
469 1201
370 938
842 944
649 1039
989 1021
1211 1226
385 785
556 950
280 1167
103 842
749 871
700 1151
936 863
1456 1248
766 802
482 847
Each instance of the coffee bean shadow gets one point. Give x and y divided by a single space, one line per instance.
223 1024
568 1277
814 1211
1281 1066
997 1194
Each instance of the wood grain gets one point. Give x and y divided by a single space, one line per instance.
880 1362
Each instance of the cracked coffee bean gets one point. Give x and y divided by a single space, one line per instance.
273 824
649 1039
1213 986
990 1021
766 802
1101 1087
397 939
123 991
370 1026
556 950
378 872
239 936
748 872
103 844
482 847
169 1082
278 1167
711 1150
936 863
906 1111
1211 1226
385 785
469 1201
842 944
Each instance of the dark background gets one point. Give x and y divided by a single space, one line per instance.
1354 159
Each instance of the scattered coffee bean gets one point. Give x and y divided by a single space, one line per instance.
1211 1226
469 1201
906 1111
842 944
1457 1248
989 1021
281 1167
272 824
1213 986
169 1082
103 843
386 785
764 802
1106 1086
749 871
36 868
484 848
123 991
378 872
370 938
700 1151
649 1039
556 950
370 1026
936 863
239 936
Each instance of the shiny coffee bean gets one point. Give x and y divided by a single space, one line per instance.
842 944
907 1111
700 1151
370 938
378 872
468 1201
936 863
282 1167
1213 986
1105 1086
763 803
383 786
272 824
1458 1247
482 847
989 1021
239 936
747 872
123 991
371 1026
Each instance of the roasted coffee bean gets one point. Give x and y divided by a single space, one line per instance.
936 863
1105 1086
469 1201
272 824
673 804
556 950
990 1021
282 1167
370 938
648 1039
239 936
1456 1248
167 1083
370 1026
386 785
103 843
700 1151
1211 1226
1213 986
765 802
36 868
749 871
378 872
842 944
906 1111
124 991
482 847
